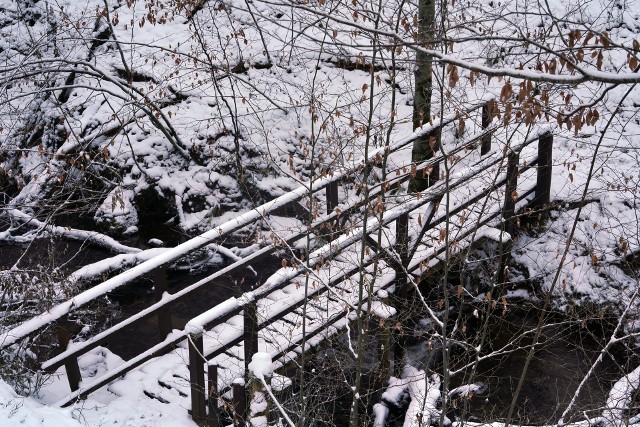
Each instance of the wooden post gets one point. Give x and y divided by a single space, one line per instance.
543 181
422 180
331 192
485 145
250 337
196 378
71 364
508 212
510 196
434 175
250 311
159 277
239 402
401 247
212 398
258 402
402 238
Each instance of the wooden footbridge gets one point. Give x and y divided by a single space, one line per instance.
370 228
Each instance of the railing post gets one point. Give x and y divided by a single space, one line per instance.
258 413
384 349
511 195
239 402
434 175
331 192
543 181
401 247
196 378
212 398
508 212
70 365
384 341
485 145
159 277
421 181
250 311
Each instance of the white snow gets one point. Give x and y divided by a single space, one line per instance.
22 411
261 365
620 399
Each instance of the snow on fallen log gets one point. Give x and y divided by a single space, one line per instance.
114 263
380 415
424 393
395 392
620 399
92 237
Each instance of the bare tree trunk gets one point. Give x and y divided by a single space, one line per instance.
423 88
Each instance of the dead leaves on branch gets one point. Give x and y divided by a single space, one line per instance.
454 77
577 121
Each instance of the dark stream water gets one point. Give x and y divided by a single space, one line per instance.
561 361
563 357
136 295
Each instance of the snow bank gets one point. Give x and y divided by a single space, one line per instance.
27 412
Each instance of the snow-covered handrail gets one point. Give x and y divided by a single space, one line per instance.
19 332
84 346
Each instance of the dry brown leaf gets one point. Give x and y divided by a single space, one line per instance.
587 38
604 38
453 76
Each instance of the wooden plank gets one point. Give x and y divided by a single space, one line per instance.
157 350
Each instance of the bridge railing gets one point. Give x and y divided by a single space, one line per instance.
225 310
157 265
204 393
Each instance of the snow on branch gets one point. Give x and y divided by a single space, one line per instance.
92 237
